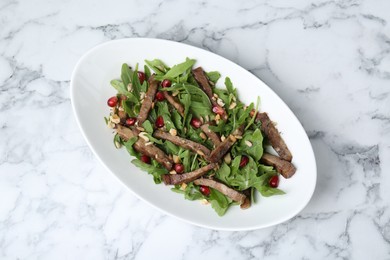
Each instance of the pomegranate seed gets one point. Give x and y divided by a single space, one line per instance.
274 181
195 122
159 122
160 96
141 77
218 110
131 121
179 168
145 159
205 190
166 83
244 161
112 101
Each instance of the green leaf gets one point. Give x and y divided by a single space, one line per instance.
171 148
254 116
128 107
186 159
147 71
195 100
179 69
136 85
229 86
120 87
219 202
157 66
126 74
151 169
129 146
118 139
154 140
186 100
148 126
267 191
255 138
213 76
176 118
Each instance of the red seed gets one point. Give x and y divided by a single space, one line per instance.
145 159
166 83
159 122
179 168
141 76
160 96
274 181
112 101
205 190
244 161
131 121
218 110
195 122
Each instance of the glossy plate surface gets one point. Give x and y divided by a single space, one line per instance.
90 89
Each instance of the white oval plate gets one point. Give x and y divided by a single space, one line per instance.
90 89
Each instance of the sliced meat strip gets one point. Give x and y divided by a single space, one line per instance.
174 102
203 81
140 146
173 179
274 137
219 152
215 139
148 100
231 193
123 116
247 202
182 142
285 168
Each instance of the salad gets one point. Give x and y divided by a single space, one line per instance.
199 138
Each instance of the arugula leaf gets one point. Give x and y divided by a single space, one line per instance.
118 139
186 159
136 85
213 76
171 148
255 138
229 86
265 169
196 100
157 172
224 95
176 118
254 116
267 191
219 202
147 71
128 107
126 75
186 100
179 69
120 87
129 146
148 126
154 139
157 66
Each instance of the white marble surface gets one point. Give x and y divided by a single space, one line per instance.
328 60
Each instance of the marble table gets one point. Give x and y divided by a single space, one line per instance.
328 60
